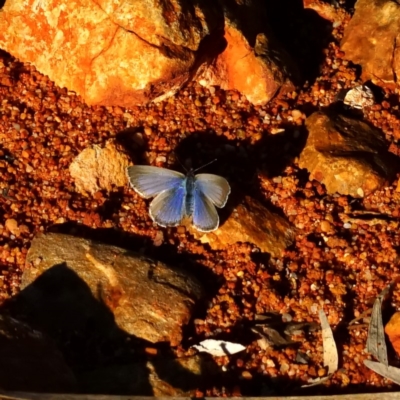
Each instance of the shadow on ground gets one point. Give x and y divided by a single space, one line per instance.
303 33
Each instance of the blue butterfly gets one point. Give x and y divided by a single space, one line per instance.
178 195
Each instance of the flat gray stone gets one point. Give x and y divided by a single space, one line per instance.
75 279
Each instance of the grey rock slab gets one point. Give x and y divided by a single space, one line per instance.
146 298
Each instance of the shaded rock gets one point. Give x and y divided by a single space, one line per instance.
252 62
347 155
392 330
251 222
181 376
147 298
97 168
109 52
162 376
370 39
30 361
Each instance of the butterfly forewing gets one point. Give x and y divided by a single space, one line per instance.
205 216
215 187
167 209
149 181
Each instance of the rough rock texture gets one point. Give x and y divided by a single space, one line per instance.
110 52
371 40
160 377
326 10
252 62
392 330
346 155
147 298
97 168
30 361
251 222
124 53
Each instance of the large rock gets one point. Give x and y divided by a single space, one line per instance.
252 222
371 40
347 155
110 52
123 53
97 168
252 62
30 361
69 281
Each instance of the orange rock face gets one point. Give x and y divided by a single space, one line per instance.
110 52
370 40
392 329
346 155
117 53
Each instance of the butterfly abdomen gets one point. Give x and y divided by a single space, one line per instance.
189 201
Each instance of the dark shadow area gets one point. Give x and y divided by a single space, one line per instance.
302 32
103 358
110 208
349 5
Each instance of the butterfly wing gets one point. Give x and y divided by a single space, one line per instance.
215 187
149 181
167 209
205 216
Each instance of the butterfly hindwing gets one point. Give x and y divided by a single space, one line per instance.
205 216
167 209
149 181
215 187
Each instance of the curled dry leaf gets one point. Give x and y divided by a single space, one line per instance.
271 337
274 332
359 97
219 348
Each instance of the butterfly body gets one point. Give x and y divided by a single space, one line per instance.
190 188
178 196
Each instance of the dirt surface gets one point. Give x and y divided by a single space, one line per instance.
339 261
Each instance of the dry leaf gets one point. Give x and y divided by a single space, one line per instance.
331 358
271 337
386 371
376 344
316 381
219 348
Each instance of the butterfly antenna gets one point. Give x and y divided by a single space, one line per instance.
205 165
180 162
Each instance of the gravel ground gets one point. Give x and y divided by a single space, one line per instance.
339 265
